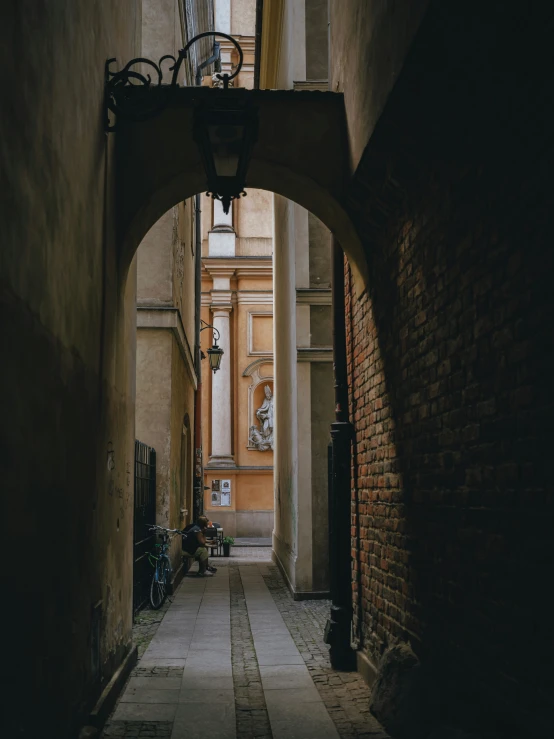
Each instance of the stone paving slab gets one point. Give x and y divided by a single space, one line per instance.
144 711
150 695
283 677
204 721
157 682
234 657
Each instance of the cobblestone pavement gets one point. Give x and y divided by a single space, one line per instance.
345 694
235 657
251 710
145 626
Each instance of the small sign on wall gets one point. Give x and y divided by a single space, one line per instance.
221 493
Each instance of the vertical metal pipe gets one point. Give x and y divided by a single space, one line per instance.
337 632
198 491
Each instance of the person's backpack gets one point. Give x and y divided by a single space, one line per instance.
185 533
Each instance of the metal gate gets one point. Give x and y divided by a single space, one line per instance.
145 513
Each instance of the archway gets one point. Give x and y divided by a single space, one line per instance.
301 153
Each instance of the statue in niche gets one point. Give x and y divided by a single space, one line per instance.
262 438
217 82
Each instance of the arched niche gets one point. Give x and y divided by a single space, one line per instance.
260 373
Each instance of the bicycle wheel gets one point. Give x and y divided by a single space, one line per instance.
158 586
167 574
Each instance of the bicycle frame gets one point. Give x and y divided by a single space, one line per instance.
164 549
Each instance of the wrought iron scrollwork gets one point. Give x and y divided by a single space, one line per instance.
142 107
226 198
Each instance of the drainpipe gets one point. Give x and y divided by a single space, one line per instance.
338 628
258 43
198 494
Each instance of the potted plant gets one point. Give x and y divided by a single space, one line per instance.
227 542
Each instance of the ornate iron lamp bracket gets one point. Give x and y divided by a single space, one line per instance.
140 108
209 325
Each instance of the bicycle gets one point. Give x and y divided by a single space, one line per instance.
161 577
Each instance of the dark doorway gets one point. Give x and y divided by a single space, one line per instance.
145 514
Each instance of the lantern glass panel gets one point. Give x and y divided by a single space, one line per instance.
226 141
214 356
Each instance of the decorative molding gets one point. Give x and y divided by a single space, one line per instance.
255 271
314 296
249 371
242 297
239 266
233 262
251 314
321 85
254 297
247 469
169 318
315 354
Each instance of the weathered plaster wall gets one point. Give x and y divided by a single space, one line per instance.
67 389
243 17
153 407
369 40
319 245
154 263
182 403
253 215
161 29
317 31
165 373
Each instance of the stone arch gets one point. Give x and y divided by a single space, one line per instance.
301 153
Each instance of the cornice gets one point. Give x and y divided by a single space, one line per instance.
243 267
252 297
244 469
220 270
321 85
314 296
315 354
236 262
241 297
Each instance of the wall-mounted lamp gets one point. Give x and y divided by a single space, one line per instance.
215 353
224 131
225 125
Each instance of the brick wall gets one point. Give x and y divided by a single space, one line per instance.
451 364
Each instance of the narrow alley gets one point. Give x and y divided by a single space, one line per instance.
235 657
276 297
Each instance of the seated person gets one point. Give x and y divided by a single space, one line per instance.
194 546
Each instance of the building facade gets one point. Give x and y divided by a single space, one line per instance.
237 299
167 372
